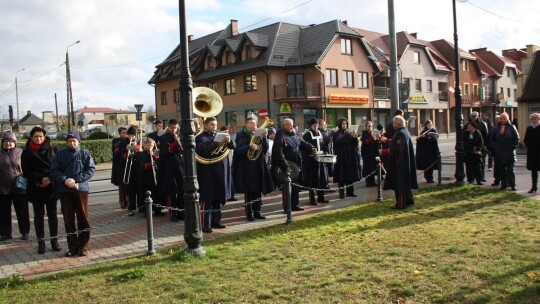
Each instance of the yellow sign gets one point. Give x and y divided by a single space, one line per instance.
341 98
417 99
285 108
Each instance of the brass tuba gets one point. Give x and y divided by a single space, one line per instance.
207 103
255 139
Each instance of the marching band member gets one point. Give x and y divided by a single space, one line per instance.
134 172
347 168
287 147
215 179
171 170
148 161
158 125
369 151
118 166
251 177
315 173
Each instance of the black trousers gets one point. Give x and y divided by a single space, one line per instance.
507 174
473 168
255 206
21 210
212 214
40 205
350 189
295 198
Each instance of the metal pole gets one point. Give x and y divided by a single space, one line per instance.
460 149
192 223
439 165
71 113
17 100
149 224
288 208
379 177
56 105
394 87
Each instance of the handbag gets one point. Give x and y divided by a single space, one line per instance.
20 183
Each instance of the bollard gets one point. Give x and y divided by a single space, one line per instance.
439 165
287 187
379 177
149 224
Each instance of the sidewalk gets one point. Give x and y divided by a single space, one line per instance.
126 236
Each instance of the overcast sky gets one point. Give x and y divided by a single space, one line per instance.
123 40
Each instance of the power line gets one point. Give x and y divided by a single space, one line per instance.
27 80
11 86
494 14
281 13
118 65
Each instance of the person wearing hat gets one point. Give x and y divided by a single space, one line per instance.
71 170
483 129
504 142
347 169
315 173
473 143
10 160
251 176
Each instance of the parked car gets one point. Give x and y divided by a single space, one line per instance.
52 134
85 134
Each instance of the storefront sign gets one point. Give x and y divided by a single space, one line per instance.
285 108
341 98
417 99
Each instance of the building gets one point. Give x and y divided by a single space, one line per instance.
107 117
28 122
528 88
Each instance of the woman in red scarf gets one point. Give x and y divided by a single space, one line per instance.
36 160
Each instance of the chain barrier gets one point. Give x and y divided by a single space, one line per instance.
338 188
432 165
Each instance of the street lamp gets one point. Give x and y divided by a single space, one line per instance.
71 114
460 148
17 101
192 223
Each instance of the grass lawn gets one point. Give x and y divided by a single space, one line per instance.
456 245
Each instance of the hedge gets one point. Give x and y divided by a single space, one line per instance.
100 149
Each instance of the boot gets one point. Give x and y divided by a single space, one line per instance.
41 247
341 193
534 175
312 198
54 245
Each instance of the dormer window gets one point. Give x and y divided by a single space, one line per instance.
228 57
249 52
209 62
346 46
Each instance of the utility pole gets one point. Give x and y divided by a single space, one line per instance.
17 100
394 84
56 105
71 114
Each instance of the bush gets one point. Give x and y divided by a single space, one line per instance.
98 135
100 149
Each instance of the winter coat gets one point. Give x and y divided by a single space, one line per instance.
315 173
532 141
37 165
10 160
369 151
72 163
473 143
504 145
401 165
347 167
427 149
171 166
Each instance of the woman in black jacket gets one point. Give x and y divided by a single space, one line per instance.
36 160
347 168
369 150
473 143
427 150
532 141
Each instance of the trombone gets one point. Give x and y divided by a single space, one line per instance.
131 151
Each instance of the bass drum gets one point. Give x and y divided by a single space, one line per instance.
281 176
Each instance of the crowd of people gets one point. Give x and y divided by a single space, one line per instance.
251 162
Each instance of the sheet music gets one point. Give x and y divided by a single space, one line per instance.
375 133
259 132
353 128
220 136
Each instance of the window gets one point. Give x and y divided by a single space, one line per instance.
418 85
475 89
508 72
508 92
362 80
228 57
348 79
249 52
163 98
429 86
416 57
176 96
346 47
331 77
295 85
465 65
466 89
212 85
230 86
230 118
407 82
209 62
502 93
250 83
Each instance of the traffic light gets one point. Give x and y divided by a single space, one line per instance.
10 115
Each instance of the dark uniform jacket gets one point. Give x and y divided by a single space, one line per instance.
427 149
315 173
401 166
215 180
532 141
504 145
171 165
347 168
369 151
288 146
117 161
36 165
250 175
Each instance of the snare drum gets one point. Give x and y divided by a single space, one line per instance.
326 158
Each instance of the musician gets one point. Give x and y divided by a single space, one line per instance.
158 131
134 172
427 150
251 176
171 170
147 161
347 169
369 151
315 173
215 179
401 175
118 166
287 147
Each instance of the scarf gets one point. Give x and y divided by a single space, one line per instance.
34 147
503 128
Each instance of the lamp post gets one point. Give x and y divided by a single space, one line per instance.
17 101
458 115
192 223
71 114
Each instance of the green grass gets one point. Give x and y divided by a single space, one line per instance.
456 245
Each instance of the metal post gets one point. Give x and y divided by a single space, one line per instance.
149 224
192 228
56 105
439 167
460 148
379 177
17 100
288 208
71 114
394 87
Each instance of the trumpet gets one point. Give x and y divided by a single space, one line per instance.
131 151
256 139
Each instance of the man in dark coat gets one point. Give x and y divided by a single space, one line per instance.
427 150
171 170
347 169
251 176
369 151
472 140
287 147
401 168
119 165
315 173
215 178
504 142
532 141
389 133
135 169
483 129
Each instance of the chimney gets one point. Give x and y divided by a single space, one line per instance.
234 27
415 35
28 112
484 49
190 38
344 22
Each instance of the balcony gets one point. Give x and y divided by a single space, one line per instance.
298 91
381 92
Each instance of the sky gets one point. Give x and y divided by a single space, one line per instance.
123 40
